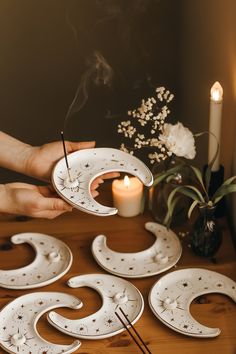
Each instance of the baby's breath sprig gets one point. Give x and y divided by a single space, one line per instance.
146 123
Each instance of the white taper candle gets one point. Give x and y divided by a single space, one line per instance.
216 100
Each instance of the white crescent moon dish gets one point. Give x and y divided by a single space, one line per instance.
162 255
116 293
18 332
53 259
85 165
172 295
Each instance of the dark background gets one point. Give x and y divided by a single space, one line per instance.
46 47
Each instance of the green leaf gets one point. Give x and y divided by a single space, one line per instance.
163 175
189 191
201 198
192 206
198 175
229 181
171 196
170 178
222 191
159 178
202 133
169 214
192 192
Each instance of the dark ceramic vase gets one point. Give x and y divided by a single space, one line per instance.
206 235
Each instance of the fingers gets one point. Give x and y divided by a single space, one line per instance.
59 205
48 214
95 184
99 180
110 175
73 146
94 193
53 204
47 191
19 185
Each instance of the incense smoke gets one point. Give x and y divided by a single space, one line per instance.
126 15
99 72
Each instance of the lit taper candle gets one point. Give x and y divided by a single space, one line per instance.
216 100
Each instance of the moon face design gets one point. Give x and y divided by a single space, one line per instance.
85 165
116 293
53 259
162 255
18 332
172 295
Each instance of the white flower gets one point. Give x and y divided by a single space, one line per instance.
178 140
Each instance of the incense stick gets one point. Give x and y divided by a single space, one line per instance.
65 154
134 329
130 333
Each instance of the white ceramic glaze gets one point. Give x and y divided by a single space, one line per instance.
115 293
85 165
171 296
162 255
52 260
18 331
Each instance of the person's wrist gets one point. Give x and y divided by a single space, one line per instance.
27 160
14 153
24 153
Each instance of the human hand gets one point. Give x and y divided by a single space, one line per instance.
41 160
38 201
29 200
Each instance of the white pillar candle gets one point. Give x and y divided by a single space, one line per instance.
215 123
127 196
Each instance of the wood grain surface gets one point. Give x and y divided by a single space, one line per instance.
78 230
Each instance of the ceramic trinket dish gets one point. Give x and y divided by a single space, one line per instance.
85 165
171 296
162 255
18 330
116 293
53 259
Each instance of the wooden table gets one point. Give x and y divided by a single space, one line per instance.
78 230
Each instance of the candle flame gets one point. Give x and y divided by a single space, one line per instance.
126 181
216 92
